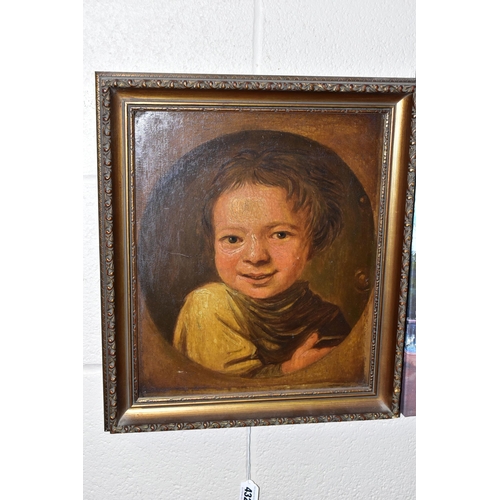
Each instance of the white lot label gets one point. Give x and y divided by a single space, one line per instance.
249 491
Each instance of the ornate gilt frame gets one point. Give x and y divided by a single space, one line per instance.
119 96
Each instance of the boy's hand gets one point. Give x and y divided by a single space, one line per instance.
305 355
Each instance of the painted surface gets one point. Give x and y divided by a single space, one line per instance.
184 250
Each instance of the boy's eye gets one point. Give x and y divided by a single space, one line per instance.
281 235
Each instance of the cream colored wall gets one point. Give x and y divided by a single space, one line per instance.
351 460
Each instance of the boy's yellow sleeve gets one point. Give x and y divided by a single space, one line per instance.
207 333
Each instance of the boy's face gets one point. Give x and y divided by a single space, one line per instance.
261 245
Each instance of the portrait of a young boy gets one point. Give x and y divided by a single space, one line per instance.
264 219
256 255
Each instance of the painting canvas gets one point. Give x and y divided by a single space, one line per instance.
250 254
278 296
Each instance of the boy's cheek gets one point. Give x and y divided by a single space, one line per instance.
222 251
291 254
226 263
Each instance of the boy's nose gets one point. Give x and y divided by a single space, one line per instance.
256 251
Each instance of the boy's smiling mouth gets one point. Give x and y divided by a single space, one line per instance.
258 278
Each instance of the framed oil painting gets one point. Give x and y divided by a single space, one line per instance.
255 237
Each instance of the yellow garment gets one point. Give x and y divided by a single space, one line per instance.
207 332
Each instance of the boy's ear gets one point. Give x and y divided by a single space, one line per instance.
311 253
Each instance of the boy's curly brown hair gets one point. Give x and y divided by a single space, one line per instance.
307 180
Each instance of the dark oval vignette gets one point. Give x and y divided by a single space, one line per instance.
173 258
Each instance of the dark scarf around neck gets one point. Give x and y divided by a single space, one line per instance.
280 324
